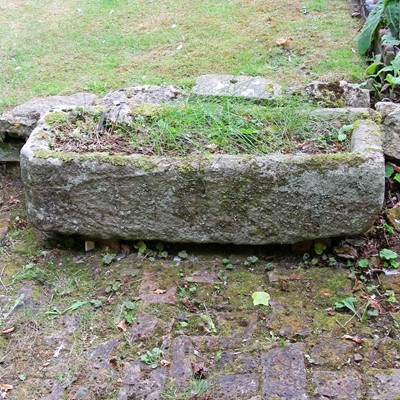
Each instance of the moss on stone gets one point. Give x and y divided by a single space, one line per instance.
328 162
56 118
143 162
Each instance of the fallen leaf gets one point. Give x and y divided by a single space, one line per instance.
7 331
345 251
5 387
283 41
353 339
122 326
165 363
375 305
261 298
159 291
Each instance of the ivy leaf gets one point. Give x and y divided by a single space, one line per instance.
388 171
261 298
388 254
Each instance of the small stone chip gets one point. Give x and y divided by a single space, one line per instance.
358 357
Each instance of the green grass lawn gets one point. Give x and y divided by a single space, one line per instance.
52 47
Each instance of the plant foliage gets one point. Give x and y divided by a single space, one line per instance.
372 24
386 12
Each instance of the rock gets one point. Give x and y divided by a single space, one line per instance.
204 276
142 383
358 357
337 385
390 127
148 291
245 363
337 94
274 277
284 373
21 120
120 104
218 198
346 115
143 327
248 87
385 108
242 327
332 352
9 151
387 384
5 220
182 357
236 386
393 215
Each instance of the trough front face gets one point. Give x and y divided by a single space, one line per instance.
218 198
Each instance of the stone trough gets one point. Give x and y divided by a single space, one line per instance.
239 199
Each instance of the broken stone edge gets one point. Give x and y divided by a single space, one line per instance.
240 199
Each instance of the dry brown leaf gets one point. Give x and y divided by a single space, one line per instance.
9 330
283 41
165 363
159 291
122 326
376 305
6 387
353 339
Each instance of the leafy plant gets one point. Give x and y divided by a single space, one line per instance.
390 172
319 248
141 247
385 12
391 296
152 357
107 258
383 78
348 303
342 135
389 258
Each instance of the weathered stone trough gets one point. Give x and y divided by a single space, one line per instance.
212 198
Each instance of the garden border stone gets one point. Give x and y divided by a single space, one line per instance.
241 199
390 126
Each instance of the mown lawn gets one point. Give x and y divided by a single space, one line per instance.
56 47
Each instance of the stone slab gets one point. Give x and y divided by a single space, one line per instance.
120 104
150 292
337 385
248 87
236 386
387 384
219 198
284 373
390 127
139 382
337 94
21 120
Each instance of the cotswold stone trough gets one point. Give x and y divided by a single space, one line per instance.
240 199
